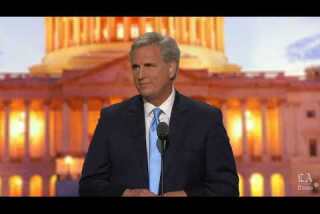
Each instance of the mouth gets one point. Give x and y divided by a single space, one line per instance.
144 84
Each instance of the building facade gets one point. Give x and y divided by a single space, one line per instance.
48 116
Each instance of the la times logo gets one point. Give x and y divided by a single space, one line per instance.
306 183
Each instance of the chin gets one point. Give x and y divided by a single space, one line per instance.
146 93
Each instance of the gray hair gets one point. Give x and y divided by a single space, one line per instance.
169 49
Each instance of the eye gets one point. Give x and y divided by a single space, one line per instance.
135 67
148 65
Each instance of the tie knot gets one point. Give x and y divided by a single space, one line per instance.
156 112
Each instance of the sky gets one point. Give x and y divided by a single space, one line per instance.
21 43
254 43
260 43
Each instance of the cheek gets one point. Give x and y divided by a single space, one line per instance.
134 78
163 77
136 82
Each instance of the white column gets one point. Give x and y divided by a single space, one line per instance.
76 30
185 34
192 30
91 29
25 185
66 25
7 109
287 190
157 21
126 28
45 185
267 184
211 32
142 26
85 135
49 33
97 30
246 184
265 150
163 26
47 130
282 139
245 153
295 133
112 29
27 131
172 30
65 125
203 31
85 30
219 34
5 185
153 24
57 34
177 29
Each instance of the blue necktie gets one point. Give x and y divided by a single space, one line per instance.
154 154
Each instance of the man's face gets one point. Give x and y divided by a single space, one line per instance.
152 76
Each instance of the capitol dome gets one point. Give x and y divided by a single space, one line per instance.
87 42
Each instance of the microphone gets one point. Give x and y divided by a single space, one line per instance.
162 132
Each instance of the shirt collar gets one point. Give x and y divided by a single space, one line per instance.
166 106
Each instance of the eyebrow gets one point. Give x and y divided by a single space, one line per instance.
148 64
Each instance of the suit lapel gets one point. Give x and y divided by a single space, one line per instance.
178 122
137 125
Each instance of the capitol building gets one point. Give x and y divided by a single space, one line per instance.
48 115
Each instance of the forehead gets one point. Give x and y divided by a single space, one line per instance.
147 53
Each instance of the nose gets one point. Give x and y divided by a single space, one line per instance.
141 73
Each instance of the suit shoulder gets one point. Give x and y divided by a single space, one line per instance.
201 107
119 108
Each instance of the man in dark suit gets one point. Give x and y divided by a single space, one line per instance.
123 159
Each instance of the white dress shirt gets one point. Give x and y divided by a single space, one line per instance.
166 108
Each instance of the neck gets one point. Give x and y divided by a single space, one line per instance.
158 100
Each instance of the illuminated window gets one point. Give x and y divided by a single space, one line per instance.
36 134
254 133
120 31
277 185
134 31
241 185
97 28
249 121
256 185
17 132
15 186
52 185
36 186
313 148
68 162
273 133
105 33
149 28
311 114
234 127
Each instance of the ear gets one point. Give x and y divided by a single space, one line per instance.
172 70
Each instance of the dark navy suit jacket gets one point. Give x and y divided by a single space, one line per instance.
198 159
